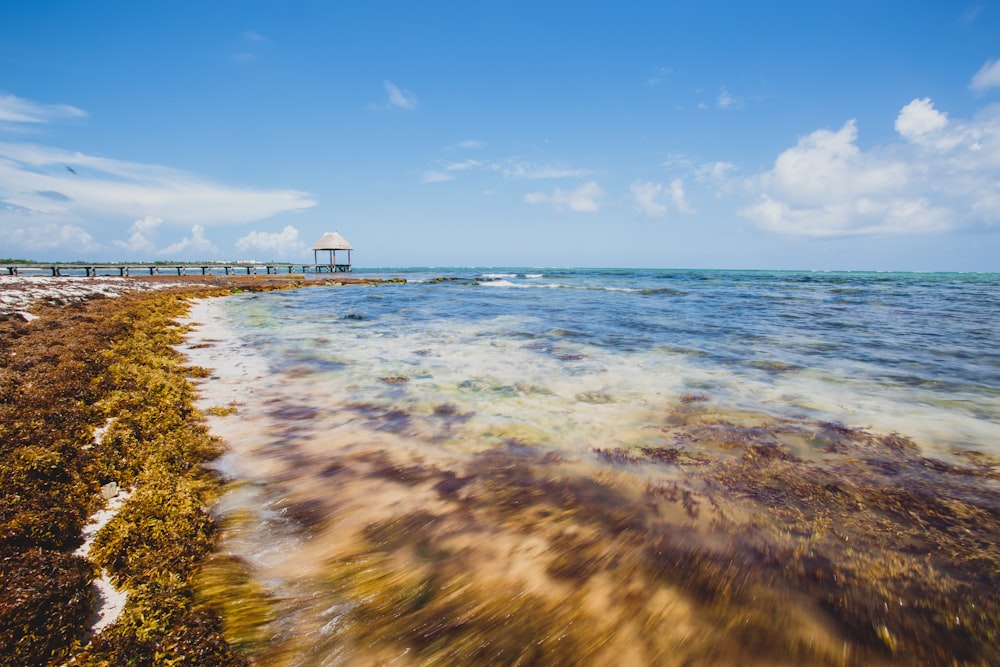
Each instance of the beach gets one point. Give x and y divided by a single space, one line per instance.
103 497
511 467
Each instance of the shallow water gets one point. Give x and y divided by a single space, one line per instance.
517 466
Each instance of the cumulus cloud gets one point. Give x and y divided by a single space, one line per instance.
939 175
678 197
650 198
919 118
283 244
195 245
987 77
585 198
15 109
402 99
647 198
139 242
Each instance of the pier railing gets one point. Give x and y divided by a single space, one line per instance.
179 268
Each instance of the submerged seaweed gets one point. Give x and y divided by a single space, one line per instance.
744 552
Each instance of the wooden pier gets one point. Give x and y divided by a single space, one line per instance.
179 268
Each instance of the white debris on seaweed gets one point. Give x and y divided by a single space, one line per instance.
18 293
110 601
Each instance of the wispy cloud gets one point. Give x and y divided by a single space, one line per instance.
585 198
726 100
658 75
513 168
987 77
448 170
107 188
462 166
970 14
249 46
56 199
522 169
399 98
15 109
941 174
436 176
469 144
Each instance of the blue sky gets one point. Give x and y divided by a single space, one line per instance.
784 135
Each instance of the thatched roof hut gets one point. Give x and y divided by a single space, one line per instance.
332 242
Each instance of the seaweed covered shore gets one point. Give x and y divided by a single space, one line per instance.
727 537
92 395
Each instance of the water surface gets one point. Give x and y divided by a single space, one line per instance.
570 466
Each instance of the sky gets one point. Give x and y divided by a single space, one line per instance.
813 135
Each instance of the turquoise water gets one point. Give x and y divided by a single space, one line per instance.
699 394
918 353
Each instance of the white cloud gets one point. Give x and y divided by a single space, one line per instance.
192 246
677 197
649 198
435 176
19 110
471 144
36 181
139 242
285 243
49 236
940 174
678 161
714 172
827 167
987 77
402 99
584 198
461 166
448 171
919 118
533 171
646 196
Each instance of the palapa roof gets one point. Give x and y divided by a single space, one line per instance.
332 241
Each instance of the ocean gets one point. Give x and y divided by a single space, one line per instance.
618 466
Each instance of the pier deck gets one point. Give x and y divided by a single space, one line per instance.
179 268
